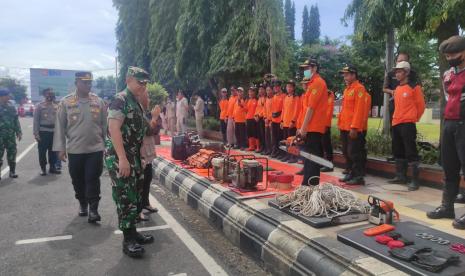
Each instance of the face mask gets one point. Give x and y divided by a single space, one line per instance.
455 62
307 74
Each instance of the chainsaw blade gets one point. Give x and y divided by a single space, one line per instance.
314 158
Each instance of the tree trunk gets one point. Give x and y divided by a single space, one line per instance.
390 41
445 30
272 54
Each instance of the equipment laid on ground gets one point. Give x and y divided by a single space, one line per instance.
381 229
247 174
179 147
322 200
381 211
188 144
280 180
202 159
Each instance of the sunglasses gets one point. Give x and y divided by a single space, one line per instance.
142 83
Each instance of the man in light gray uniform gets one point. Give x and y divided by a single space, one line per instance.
79 135
43 128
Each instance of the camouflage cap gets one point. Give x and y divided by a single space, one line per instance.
4 92
138 73
82 75
452 45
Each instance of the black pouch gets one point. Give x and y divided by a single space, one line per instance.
435 261
276 114
394 235
408 253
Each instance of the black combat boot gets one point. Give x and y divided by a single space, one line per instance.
93 212
446 210
141 238
130 246
358 180
460 198
43 170
13 171
54 170
459 223
414 184
346 178
401 172
83 206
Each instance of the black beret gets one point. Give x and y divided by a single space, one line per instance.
277 83
4 92
348 69
454 44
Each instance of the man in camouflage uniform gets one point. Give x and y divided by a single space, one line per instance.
43 128
79 135
9 131
126 129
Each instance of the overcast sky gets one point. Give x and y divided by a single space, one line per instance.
80 34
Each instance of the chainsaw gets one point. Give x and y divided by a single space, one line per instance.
292 145
381 211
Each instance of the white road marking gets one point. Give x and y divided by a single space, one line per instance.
179 274
21 156
142 229
202 256
39 240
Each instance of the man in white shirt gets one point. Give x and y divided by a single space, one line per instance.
199 112
171 116
182 108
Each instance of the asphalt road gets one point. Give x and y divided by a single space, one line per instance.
41 234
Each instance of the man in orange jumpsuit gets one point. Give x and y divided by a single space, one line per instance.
268 117
223 105
314 106
230 133
239 114
259 118
252 131
276 118
352 125
327 144
290 114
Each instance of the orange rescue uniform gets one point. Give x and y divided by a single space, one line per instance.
277 105
330 110
223 109
251 108
354 113
260 110
268 105
231 103
409 104
316 98
290 110
240 111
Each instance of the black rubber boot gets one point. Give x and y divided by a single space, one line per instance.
13 171
141 238
93 212
359 180
346 178
326 169
446 210
459 223
83 208
401 172
130 246
43 170
414 184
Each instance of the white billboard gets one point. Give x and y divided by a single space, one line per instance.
61 81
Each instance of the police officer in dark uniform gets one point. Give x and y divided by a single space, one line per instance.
453 130
79 135
43 127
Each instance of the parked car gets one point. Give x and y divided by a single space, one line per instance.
28 109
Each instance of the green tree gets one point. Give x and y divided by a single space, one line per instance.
162 41
17 90
314 25
106 86
305 26
132 35
289 12
157 94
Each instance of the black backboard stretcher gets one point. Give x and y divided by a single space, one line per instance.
408 230
321 222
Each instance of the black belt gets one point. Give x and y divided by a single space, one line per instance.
47 126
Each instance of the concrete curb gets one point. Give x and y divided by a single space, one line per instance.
282 244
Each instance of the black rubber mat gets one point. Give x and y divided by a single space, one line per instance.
321 222
408 230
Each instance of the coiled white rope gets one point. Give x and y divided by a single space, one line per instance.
322 200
